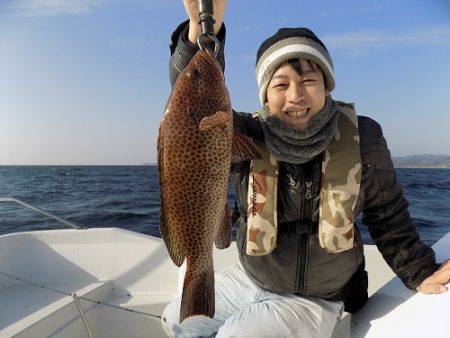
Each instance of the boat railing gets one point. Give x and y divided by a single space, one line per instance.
45 213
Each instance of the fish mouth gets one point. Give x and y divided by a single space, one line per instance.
208 56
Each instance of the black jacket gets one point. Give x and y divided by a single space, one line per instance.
298 265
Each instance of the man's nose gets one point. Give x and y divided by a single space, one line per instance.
296 92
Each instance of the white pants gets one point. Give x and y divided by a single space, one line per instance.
245 310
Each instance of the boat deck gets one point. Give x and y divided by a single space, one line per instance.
115 283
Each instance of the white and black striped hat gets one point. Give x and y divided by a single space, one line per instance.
291 43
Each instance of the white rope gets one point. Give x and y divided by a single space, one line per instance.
81 312
74 296
15 200
83 298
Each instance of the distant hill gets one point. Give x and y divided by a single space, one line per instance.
422 161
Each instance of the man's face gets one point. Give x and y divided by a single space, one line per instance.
293 98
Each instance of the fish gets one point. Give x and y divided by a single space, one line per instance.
196 147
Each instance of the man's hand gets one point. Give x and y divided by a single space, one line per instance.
436 282
192 10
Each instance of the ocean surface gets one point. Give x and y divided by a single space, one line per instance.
128 197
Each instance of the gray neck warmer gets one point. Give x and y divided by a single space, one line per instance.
299 145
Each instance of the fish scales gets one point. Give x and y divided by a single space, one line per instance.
194 156
196 145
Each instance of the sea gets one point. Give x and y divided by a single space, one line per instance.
128 197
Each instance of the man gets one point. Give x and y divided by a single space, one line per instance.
301 255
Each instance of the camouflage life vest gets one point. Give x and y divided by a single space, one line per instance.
340 182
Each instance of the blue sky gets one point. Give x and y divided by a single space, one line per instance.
86 81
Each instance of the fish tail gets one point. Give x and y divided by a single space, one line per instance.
198 290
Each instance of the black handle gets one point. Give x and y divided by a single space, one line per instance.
206 16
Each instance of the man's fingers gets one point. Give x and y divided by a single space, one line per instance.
436 282
432 288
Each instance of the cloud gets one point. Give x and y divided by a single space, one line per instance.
39 8
364 42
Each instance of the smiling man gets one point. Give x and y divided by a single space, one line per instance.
296 93
301 254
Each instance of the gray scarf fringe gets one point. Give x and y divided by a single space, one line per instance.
300 145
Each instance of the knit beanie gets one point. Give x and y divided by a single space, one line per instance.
291 43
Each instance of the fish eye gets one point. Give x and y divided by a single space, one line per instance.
193 74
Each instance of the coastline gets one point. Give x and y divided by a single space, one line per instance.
420 167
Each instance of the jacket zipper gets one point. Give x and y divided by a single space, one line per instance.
302 267
305 231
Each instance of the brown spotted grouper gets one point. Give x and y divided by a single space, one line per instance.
196 146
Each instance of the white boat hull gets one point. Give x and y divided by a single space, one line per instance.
124 279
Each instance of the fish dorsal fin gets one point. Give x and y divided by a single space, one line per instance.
165 227
244 149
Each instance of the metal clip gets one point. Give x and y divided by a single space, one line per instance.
207 39
207 22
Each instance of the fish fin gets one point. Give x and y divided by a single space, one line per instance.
174 251
198 296
244 149
222 237
164 227
220 119
164 224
